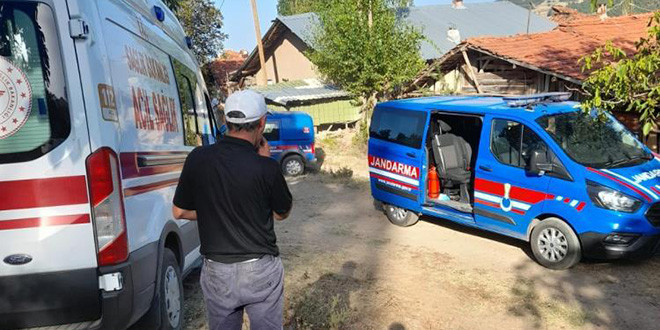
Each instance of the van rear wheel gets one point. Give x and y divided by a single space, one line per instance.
171 295
400 216
293 165
555 245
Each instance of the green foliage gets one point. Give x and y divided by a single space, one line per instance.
620 7
593 4
361 47
293 7
621 82
202 21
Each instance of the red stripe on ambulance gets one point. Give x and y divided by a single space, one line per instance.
517 193
59 220
24 194
394 167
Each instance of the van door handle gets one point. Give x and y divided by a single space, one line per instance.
485 168
411 154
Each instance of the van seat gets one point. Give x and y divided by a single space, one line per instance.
452 155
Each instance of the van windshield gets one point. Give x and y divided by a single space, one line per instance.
595 141
34 116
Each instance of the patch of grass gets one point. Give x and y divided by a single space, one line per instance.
329 142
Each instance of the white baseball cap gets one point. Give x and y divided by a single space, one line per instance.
244 107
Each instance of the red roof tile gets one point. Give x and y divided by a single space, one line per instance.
560 49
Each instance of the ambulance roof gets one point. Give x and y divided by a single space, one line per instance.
481 105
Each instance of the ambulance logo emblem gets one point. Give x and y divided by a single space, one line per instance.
15 98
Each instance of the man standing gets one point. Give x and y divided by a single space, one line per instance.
234 190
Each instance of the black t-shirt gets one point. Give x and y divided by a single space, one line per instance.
235 192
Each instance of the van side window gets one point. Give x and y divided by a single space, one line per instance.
513 143
187 99
272 131
404 127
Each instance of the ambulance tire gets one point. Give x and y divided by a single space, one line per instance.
293 165
555 245
400 216
171 293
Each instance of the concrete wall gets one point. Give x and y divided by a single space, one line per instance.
288 62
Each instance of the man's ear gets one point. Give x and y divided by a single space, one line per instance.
262 123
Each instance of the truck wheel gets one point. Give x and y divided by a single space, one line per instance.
293 165
171 294
555 245
400 217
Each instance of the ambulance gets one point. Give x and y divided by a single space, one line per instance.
100 102
572 184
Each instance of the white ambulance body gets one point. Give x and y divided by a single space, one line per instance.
100 102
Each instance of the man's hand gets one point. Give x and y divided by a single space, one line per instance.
264 148
181 214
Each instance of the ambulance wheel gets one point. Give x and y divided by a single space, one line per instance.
171 294
555 245
293 165
399 216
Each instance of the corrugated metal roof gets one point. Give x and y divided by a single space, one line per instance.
476 19
299 91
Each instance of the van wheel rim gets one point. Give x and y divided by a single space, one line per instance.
172 297
293 167
399 213
552 244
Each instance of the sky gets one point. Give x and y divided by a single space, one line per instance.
239 26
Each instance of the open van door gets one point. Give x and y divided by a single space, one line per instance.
396 154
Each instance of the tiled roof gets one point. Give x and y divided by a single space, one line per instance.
500 18
560 49
300 91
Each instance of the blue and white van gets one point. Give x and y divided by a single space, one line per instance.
291 138
534 167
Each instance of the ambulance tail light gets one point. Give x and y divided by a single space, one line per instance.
107 206
313 149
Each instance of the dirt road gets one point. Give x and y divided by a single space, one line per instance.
348 267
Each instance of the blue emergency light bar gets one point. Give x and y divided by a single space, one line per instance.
525 100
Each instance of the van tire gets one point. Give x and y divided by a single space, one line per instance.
555 245
171 301
293 165
400 216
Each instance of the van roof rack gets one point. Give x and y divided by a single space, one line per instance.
531 99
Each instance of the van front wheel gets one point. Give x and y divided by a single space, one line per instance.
555 245
293 165
399 216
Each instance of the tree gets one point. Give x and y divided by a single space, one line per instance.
623 82
202 22
293 7
362 47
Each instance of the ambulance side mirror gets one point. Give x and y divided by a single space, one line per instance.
539 163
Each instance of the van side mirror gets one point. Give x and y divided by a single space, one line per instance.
539 163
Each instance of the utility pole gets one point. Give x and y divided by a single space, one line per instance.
262 79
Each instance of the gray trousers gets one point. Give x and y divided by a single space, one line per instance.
256 287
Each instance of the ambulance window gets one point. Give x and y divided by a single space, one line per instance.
187 99
34 114
404 127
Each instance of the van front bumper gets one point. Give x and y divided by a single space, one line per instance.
596 246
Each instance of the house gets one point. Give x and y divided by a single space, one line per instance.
289 39
217 71
537 62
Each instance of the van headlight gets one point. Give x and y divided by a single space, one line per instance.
611 199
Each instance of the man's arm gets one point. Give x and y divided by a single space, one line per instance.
280 217
281 200
182 214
